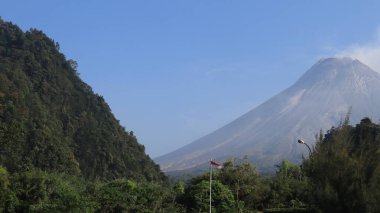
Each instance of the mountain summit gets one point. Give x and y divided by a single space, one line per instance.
267 134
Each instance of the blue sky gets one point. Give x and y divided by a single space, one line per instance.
173 71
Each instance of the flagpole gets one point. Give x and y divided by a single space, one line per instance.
210 183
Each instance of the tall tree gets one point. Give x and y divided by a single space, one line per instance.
288 187
242 178
344 169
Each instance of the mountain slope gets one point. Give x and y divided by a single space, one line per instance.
267 134
51 120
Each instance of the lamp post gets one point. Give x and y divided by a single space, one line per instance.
303 142
311 164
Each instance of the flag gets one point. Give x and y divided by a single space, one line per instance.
218 165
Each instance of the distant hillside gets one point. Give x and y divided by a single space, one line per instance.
50 119
268 134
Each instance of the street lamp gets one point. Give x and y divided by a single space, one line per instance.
303 142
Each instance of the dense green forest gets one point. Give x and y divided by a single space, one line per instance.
62 150
340 175
51 120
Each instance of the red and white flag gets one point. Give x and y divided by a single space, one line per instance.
218 165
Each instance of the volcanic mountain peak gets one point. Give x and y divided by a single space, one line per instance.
337 70
267 134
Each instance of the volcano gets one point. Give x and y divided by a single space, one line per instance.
268 134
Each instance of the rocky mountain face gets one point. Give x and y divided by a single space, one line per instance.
320 99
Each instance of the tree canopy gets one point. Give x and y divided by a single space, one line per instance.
344 169
51 120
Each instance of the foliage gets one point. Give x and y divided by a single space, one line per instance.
7 198
39 191
344 169
124 195
197 197
242 178
249 190
50 119
288 187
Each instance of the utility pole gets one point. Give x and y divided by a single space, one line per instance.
210 182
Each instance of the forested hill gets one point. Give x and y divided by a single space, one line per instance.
51 120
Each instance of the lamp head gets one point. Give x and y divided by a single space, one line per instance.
301 141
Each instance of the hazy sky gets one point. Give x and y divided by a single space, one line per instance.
173 71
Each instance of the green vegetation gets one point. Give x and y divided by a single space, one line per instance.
344 169
62 150
53 121
39 191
